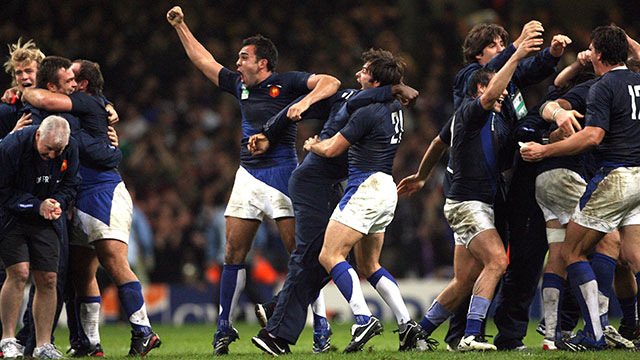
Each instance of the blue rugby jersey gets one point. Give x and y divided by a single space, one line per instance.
26 179
473 165
613 104
374 132
257 105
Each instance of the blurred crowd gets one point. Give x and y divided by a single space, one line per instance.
180 135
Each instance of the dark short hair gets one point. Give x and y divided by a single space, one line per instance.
384 67
481 77
611 43
90 71
48 70
265 49
479 37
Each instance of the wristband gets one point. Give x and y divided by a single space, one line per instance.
555 112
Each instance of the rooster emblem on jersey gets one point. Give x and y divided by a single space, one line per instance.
64 166
274 91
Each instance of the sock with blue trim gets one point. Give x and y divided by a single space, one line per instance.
88 318
436 315
388 289
132 301
232 282
552 286
319 310
348 283
585 288
477 312
604 268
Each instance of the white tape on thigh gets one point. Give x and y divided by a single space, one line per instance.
555 235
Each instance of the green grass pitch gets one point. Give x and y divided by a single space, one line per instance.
194 342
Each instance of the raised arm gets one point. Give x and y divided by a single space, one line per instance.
196 52
583 59
634 48
499 82
47 100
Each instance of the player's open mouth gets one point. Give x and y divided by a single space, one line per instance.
241 76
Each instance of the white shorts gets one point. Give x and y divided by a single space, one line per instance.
117 209
611 200
468 218
368 207
253 199
558 192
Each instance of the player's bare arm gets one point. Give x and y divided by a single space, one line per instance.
499 82
196 52
331 147
415 182
575 144
634 48
583 59
322 86
557 111
47 100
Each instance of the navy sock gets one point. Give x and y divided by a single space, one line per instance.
131 299
604 268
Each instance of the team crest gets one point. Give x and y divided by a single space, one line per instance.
64 166
274 91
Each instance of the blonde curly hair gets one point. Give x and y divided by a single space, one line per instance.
20 52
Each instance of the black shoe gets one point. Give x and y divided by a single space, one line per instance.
360 334
580 342
409 336
87 351
264 312
271 345
222 339
141 345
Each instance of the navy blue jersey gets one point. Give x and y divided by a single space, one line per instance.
91 111
473 163
336 109
613 104
374 132
26 179
258 104
8 117
95 152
